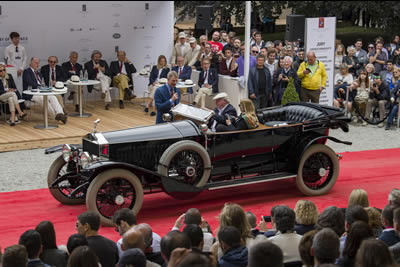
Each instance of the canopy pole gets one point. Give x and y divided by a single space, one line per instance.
247 48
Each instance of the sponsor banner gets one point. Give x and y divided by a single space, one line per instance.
143 29
320 37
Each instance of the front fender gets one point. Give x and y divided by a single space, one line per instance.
100 166
53 149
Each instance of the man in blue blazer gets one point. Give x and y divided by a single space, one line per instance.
208 83
184 72
260 84
167 96
389 235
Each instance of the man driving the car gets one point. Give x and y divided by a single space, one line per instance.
222 111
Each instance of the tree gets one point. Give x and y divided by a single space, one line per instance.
290 94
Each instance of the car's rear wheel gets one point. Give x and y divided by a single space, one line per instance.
113 190
187 162
318 170
66 186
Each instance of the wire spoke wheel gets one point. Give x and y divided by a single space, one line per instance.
318 170
186 166
112 190
63 189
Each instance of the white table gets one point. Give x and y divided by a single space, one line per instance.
81 114
46 125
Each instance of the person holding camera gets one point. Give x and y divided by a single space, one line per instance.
313 78
378 57
378 96
281 80
394 87
343 81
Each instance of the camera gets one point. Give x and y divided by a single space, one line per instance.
374 85
266 218
308 69
284 76
339 81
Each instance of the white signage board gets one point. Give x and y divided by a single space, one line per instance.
143 29
320 35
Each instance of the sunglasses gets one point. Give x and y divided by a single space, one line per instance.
255 52
370 47
52 61
2 70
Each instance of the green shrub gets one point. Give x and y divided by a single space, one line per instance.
290 94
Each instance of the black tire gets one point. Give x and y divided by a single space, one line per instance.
195 150
59 194
109 185
318 170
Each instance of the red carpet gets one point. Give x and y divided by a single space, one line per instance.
375 171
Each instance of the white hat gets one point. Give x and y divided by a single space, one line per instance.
75 79
192 40
143 72
163 80
182 35
221 95
59 85
189 82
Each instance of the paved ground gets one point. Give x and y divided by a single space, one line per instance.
27 169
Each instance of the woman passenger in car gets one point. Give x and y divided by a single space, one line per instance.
247 119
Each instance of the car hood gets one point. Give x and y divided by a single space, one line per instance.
162 131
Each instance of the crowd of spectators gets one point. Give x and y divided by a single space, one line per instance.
358 235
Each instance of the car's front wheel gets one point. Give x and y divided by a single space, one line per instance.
113 190
318 170
70 181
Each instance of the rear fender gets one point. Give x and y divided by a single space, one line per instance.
314 140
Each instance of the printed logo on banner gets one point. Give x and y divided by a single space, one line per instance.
76 29
116 35
116 25
155 27
138 27
321 23
93 29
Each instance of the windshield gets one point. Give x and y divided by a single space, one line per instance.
192 113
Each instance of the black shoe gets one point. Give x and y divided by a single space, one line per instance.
64 118
107 106
59 116
22 116
388 125
146 109
76 108
12 124
152 113
71 96
121 105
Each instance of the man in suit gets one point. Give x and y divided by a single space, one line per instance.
260 84
98 69
184 72
208 83
53 73
72 67
121 75
167 96
222 107
181 48
193 53
228 65
31 77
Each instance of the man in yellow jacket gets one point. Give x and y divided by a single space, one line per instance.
313 78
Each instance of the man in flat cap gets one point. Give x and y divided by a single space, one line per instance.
222 111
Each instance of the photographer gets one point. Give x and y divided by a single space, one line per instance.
378 96
342 81
281 80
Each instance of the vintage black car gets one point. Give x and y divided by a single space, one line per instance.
113 170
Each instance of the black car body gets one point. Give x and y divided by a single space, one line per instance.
112 170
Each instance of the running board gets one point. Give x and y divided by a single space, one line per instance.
251 180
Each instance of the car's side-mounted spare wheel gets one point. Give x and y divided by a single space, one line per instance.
113 190
318 170
187 162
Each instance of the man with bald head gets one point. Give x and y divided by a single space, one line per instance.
313 78
134 238
121 75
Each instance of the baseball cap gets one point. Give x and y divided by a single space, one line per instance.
192 40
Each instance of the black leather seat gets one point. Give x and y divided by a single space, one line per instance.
288 114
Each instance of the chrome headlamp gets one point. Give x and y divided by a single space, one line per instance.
85 159
66 152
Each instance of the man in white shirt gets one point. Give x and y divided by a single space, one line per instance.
15 55
270 63
181 48
193 53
